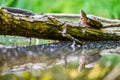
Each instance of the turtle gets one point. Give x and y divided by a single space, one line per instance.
88 22
90 57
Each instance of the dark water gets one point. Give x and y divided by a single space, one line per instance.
101 45
49 54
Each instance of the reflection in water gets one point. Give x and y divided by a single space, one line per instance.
47 54
21 41
101 45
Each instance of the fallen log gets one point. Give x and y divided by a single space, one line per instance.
18 22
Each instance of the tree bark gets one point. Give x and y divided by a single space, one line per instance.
17 22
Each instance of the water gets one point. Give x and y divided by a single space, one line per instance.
46 55
21 41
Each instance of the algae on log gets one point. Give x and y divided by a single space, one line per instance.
47 27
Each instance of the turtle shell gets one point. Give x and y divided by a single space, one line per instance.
94 24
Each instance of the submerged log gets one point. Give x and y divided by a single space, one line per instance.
18 22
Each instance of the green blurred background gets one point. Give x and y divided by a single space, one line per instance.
105 8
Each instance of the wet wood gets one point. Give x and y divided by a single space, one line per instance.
18 22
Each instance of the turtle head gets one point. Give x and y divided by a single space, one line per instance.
83 16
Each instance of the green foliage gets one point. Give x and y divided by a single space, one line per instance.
6 2
105 8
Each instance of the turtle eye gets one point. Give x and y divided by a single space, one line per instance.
81 18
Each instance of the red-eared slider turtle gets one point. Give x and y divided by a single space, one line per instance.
84 20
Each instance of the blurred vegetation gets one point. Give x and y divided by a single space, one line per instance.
105 8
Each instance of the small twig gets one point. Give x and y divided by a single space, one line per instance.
101 19
59 15
21 11
17 10
111 25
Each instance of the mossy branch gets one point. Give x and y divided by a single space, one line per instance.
18 22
